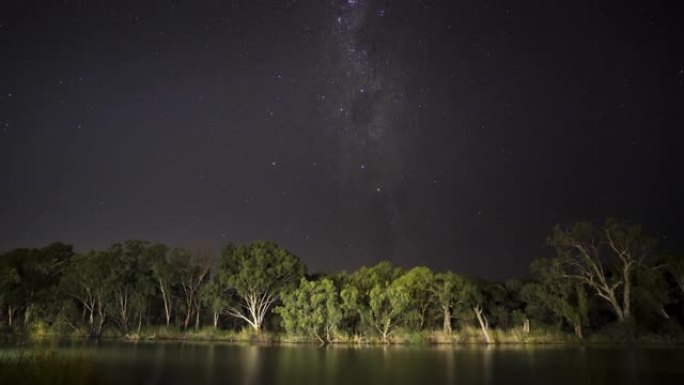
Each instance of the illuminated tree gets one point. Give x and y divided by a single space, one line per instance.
447 289
258 272
313 309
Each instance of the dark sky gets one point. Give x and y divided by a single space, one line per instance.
452 134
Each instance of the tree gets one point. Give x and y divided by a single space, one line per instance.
164 274
447 289
81 281
584 249
565 298
258 272
313 309
674 265
387 306
651 291
130 281
418 282
482 297
10 285
87 280
216 297
29 277
193 267
356 289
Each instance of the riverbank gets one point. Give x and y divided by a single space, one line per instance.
464 336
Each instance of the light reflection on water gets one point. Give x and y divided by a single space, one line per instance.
170 363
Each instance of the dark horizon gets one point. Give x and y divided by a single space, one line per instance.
453 135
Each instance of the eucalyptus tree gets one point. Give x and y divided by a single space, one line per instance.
387 307
159 258
216 297
356 290
80 283
87 280
448 292
130 282
673 264
193 268
585 250
10 285
258 272
313 309
652 292
485 299
418 282
565 299
29 278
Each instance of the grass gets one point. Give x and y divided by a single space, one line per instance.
612 334
203 334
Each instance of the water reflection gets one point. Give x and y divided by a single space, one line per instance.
170 363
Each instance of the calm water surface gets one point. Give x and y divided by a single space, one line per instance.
167 363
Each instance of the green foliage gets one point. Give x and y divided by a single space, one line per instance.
138 290
387 307
565 299
418 282
258 272
448 292
313 309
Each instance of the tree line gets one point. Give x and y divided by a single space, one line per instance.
602 277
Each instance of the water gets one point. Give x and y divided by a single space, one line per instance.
170 363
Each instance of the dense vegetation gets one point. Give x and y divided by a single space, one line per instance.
604 281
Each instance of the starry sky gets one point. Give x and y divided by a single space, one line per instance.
452 134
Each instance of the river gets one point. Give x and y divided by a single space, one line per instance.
176 363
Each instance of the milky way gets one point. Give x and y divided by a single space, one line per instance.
371 95
451 134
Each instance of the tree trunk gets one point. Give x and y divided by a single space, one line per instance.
97 330
484 324
626 292
197 318
526 326
167 305
578 331
446 324
328 329
27 315
616 307
10 312
216 318
123 310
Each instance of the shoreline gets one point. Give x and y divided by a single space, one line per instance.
282 339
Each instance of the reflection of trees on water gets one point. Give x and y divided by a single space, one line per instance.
250 365
487 363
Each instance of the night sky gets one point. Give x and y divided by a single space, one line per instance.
452 134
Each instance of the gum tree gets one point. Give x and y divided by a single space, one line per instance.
388 304
585 250
258 272
418 282
313 309
565 299
447 289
